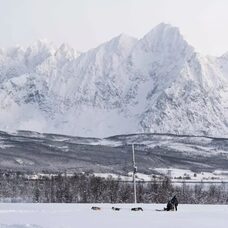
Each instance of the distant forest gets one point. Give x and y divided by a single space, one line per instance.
87 188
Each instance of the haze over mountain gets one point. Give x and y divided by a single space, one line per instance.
155 84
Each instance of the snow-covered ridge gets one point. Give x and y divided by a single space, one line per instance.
34 152
155 84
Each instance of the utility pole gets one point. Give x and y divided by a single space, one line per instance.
134 172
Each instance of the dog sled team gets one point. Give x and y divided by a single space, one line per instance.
171 206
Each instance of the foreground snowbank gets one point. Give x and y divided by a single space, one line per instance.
81 215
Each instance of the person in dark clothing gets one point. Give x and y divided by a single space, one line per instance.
169 206
172 204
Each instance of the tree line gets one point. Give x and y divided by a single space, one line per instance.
87 188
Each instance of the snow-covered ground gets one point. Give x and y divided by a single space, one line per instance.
81 215
176 176
183 174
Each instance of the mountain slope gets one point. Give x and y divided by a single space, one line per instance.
35 152
155 84
181 90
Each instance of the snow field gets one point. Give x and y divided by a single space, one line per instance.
81 215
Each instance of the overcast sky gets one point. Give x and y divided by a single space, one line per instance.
84 24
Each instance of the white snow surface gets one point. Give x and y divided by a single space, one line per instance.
155 84
81 215
175 175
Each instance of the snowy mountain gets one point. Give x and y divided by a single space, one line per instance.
155 84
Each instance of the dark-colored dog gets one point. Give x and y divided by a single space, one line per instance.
172 204
115 208
136 209
96 208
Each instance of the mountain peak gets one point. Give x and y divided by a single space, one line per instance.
165 39
165 26
165 29
124 37
121 44
122 41
66 51
155 84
